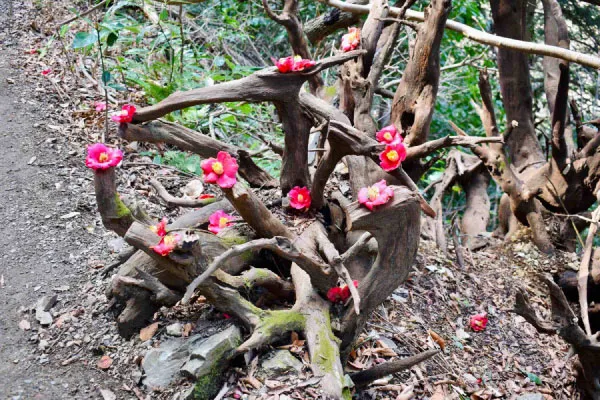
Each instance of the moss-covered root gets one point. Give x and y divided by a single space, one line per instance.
272 326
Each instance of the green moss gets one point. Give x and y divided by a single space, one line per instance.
279 321
328 354
122 210
208 386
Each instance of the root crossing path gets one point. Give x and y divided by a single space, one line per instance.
40 255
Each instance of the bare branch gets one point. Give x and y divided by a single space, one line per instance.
173 201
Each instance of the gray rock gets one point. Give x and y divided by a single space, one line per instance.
279 362
41 309
162 365
211 353
531 396
175 329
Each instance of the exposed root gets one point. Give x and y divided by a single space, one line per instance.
173 201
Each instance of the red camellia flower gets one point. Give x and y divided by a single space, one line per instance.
100 157
300 198
388 135
293 64
478 322
346 291
392 156
100 106
375 195
351 40
206 196
285 64
219 220
335 294
161 228
124 116
31 51
46 71
167 244
220 170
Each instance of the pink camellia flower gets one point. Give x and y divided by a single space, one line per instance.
161 228
218 221
346 291
124 116
378 194
167 244
392 156
351 40
285 64
220 170
293 64
334 294
31 51
100 106
299 198
46 71
100 157
388 135
478 322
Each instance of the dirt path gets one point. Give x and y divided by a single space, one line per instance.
39 253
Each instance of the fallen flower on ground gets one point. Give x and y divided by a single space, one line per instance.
478 322
100 106
161 228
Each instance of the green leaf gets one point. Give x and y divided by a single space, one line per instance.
532 377
111 39
164 15
105 77
83 39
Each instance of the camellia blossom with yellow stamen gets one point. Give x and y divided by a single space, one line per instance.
124 116
161 228
221 170
101 157
167 244
376 195
351 40
218 221
392 156
389 135
299 198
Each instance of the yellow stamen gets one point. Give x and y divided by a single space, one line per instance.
300 198
217 168
388 136
103 157
392 155
373 193
170 240
223 222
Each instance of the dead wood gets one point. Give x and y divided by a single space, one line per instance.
115 214
363 378
173 201
329 22
396 228
187 139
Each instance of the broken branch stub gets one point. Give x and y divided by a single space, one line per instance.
396 228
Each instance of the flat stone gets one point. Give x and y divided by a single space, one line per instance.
280 362
178 356
211 353
41 309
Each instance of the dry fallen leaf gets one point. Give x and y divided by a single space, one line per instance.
438 339
148 332
24 325
105 362
187 329
440 394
